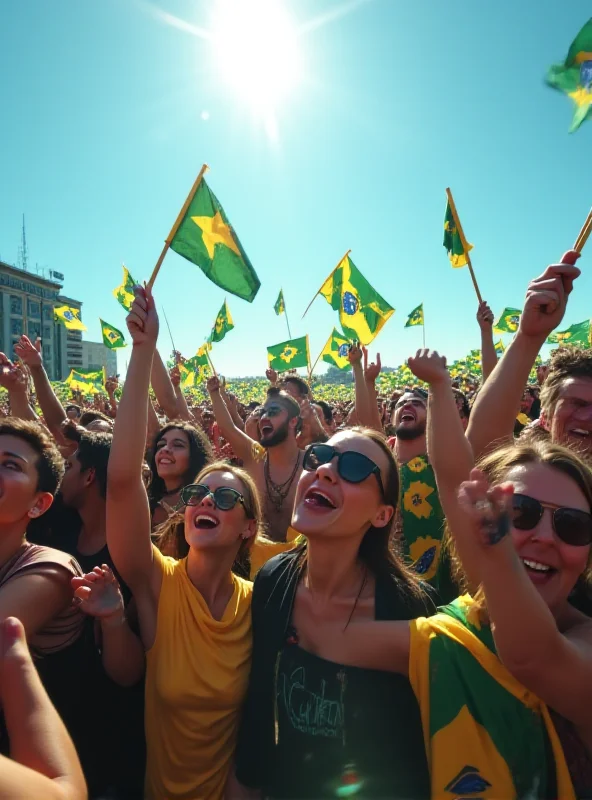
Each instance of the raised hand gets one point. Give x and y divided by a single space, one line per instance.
29 353
487 507
546 298
271 376
175 374
111 385
355 354
13 377
97 593
484 316
142 321
213 384
429 366
372 370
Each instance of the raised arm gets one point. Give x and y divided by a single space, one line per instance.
371 374
555 666
241 444
163 388
182 407
52 409
128 513
14 379
488 354
498 402
231 404
110 387
363 412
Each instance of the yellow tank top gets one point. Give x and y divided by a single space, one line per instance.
196 678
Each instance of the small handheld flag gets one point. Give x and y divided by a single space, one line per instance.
69 317
289 355
416 317
574 76
280 306
455 242
222 325
112 337
125 292
508 321
336 350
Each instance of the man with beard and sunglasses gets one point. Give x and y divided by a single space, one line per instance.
274 462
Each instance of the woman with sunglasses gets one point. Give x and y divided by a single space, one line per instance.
194 614
502 678
311 726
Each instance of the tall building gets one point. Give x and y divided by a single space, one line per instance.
96 356
27 301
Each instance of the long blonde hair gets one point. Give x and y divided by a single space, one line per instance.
169 537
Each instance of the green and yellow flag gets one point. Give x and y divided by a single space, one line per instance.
508 321
289 355
452 240
574 76
499 348
336 350
206 238
205 348
69 317
578 334
125 293
416 317
195 370
112 337
362 311
280 305
85 381
222 325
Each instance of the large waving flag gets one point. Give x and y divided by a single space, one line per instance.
125 292
69 317
578 334
85 381
362 311
194 370
112 337
574 76
289 355
206 238
336 350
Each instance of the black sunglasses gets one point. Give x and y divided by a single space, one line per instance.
225 498
352 466
570 524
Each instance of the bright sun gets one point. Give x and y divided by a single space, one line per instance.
256 51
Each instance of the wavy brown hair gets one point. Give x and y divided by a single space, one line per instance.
170 536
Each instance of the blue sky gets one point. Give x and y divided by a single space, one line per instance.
109 109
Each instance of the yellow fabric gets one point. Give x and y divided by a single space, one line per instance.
196 679
264 549
444 755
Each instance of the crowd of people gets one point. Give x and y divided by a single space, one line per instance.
385 599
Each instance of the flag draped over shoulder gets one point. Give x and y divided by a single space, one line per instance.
206 238
508 321
362 311
336 350
125 293
453 241
578 334
85 381
574 76
112 337
222 325
416 317
69 317
280 305
289 355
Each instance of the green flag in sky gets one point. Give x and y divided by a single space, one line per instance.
112 338
206 238
194 371
577 334
452 241
574 76
222 325
125 292
416 317
508 321
336 350
289 355
280 305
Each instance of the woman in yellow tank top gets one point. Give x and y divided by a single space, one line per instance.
194 614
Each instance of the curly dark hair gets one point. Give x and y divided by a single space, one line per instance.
566 362
200 454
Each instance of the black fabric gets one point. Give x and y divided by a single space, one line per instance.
371 729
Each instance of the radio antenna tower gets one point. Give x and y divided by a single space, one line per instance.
23 255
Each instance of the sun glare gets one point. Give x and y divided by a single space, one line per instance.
256 51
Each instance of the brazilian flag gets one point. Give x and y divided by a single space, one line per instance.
289 355
194 370
416 317
499 348
125 292
336 350
86 381
452 241
280 305
206 238
222 325
574 76
577 334
362 311
112 338
69 317
508 321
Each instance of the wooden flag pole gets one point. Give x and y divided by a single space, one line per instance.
175 227
324 282
584 233
286 316
423 331
320 354
464 243
211 363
